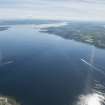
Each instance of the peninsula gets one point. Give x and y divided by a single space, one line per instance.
92 33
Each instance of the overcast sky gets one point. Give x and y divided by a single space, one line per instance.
53 9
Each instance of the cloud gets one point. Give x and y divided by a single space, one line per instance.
53 9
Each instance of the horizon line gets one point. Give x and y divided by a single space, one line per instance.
74 20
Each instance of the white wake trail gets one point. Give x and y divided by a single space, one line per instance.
6 62
93 67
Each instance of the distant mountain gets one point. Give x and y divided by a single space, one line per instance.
26 21
3 28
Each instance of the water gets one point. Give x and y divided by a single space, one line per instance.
42 69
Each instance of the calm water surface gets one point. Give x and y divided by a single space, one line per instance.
42 69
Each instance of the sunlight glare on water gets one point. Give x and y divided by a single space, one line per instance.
91 99
96 97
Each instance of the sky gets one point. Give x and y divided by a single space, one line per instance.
83 10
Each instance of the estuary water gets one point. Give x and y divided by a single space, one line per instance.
44 69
